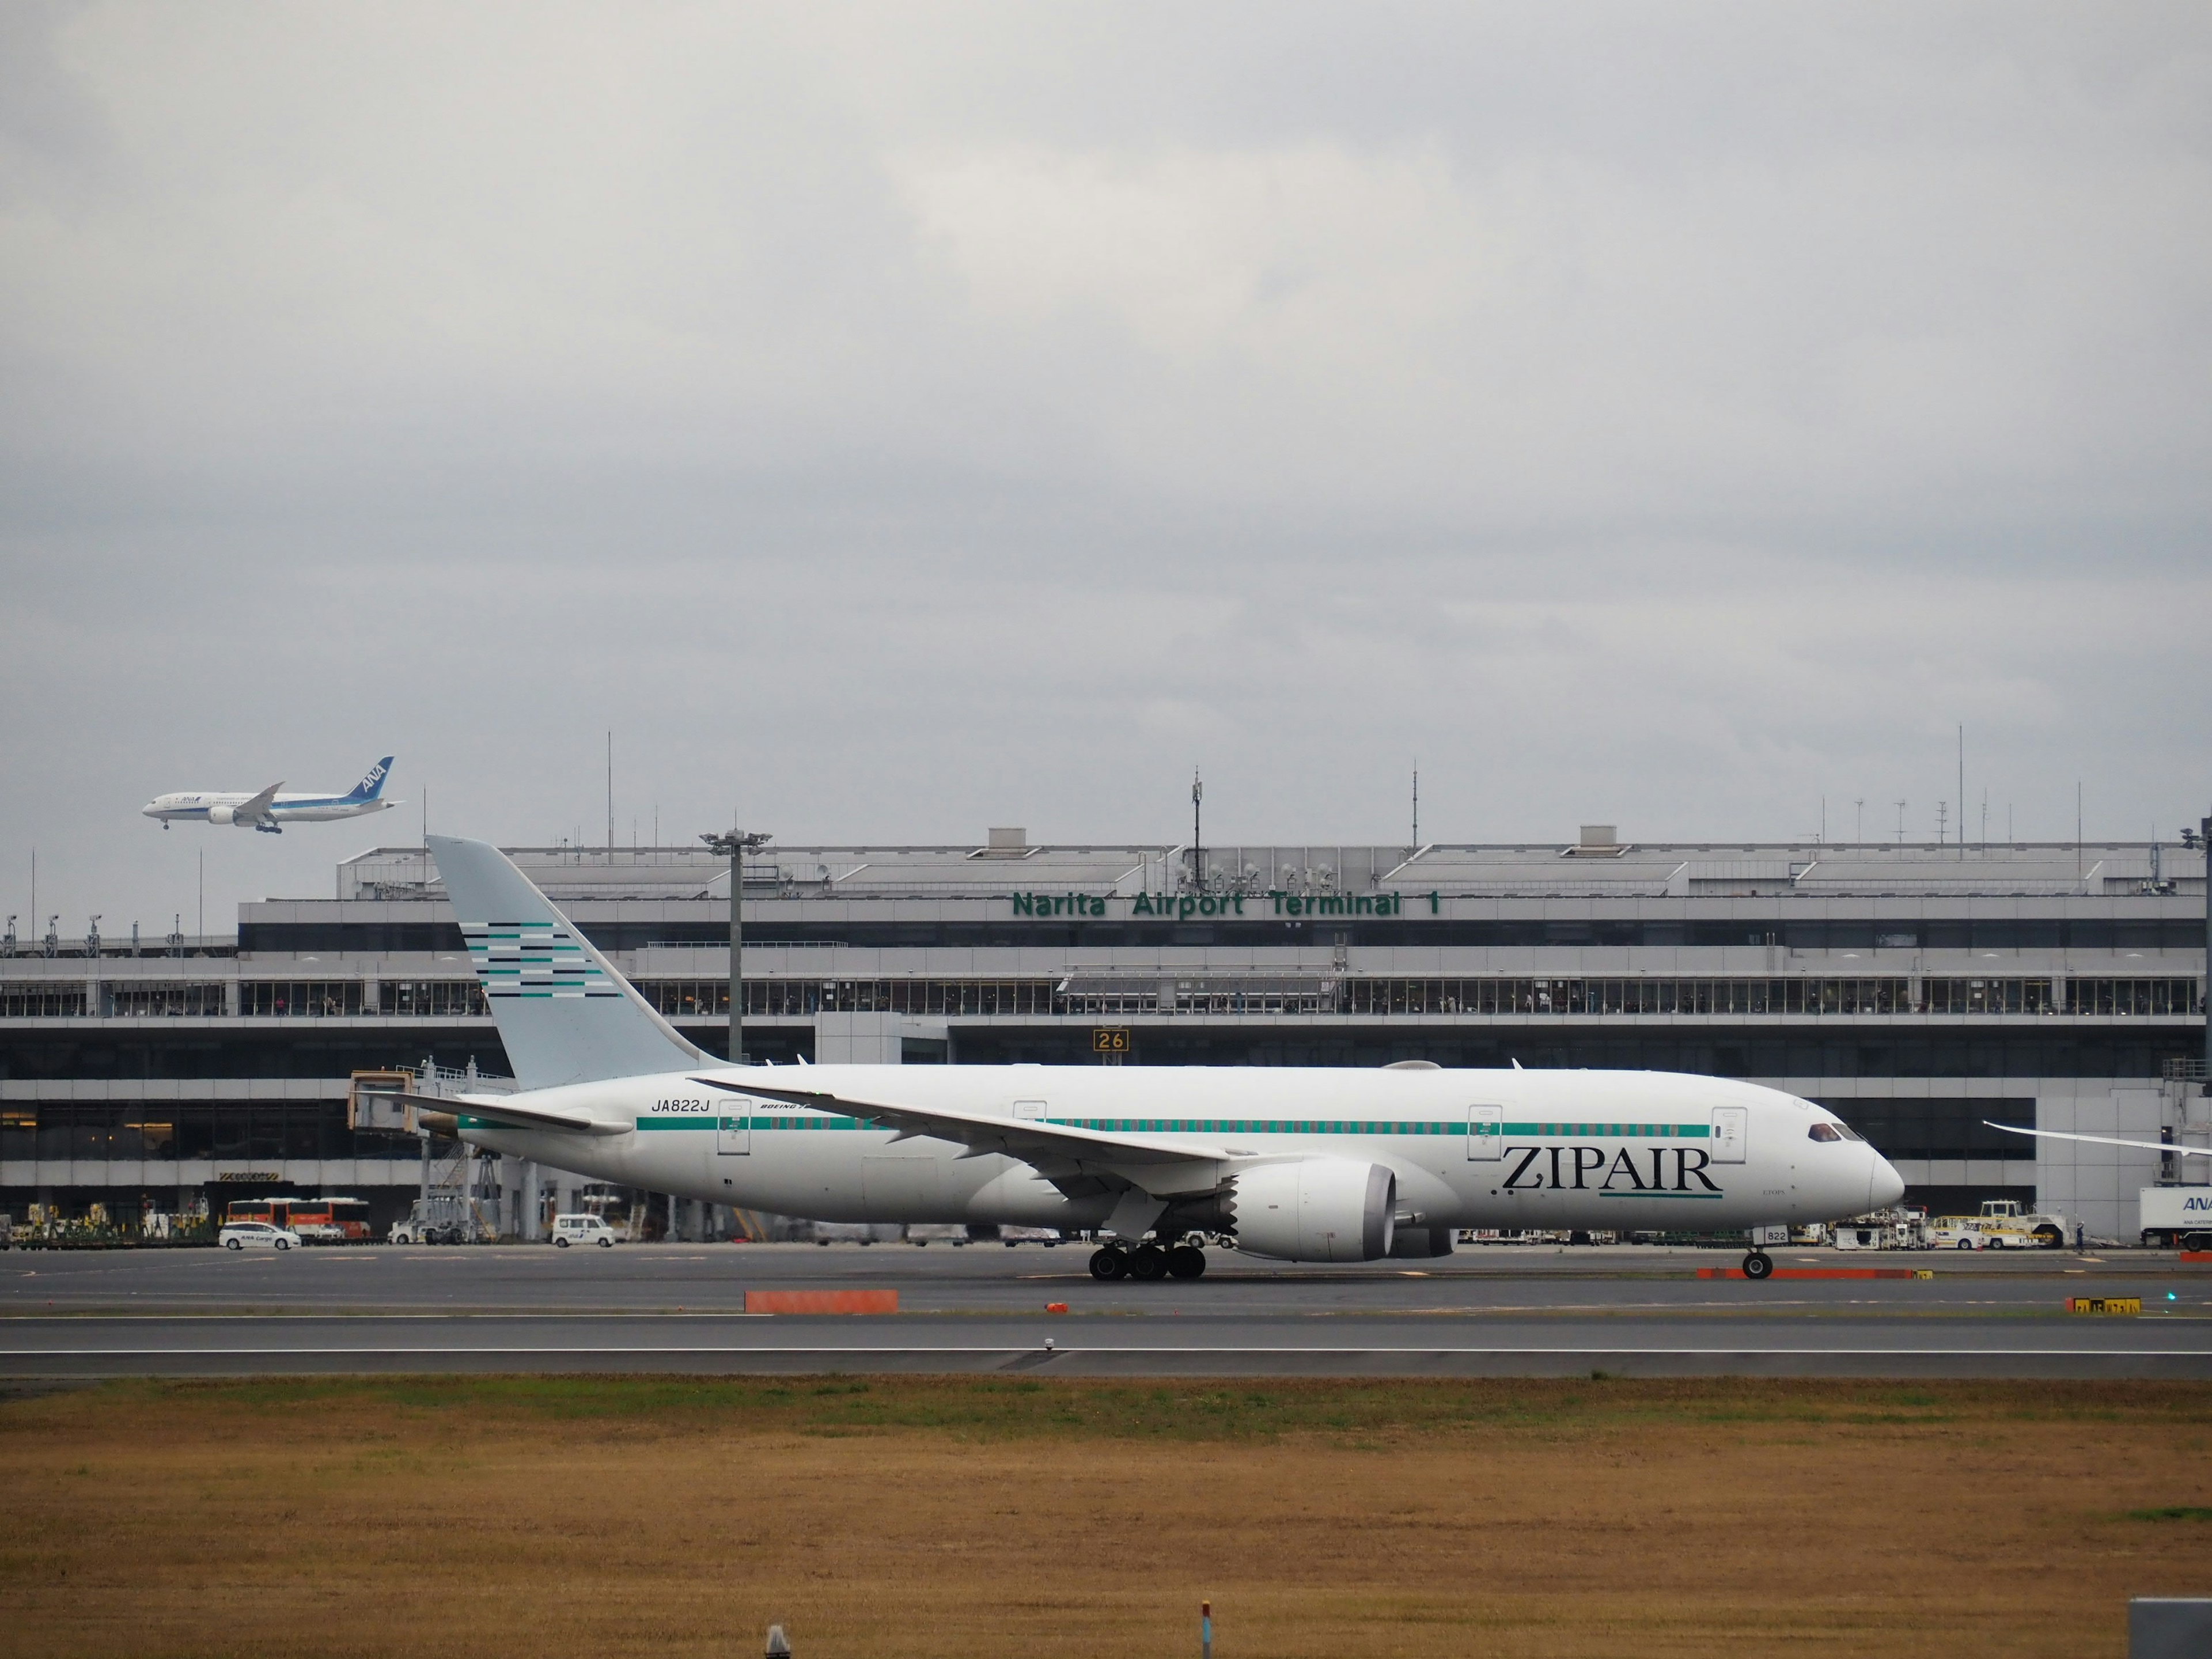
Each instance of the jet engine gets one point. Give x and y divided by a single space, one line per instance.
1316 1209
222 815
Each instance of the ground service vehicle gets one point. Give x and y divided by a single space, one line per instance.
256 1235
1956 1232
2011 1227
314 1220
582 1229
2171 1216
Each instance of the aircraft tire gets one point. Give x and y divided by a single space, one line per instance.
1107 1263
1148 1262
1186 1261
1756 1264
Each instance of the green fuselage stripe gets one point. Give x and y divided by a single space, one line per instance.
1223 1126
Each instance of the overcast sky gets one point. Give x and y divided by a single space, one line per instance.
893 422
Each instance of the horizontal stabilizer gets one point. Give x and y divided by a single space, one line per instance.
498 1112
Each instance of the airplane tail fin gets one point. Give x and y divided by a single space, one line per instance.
372 783
565 1013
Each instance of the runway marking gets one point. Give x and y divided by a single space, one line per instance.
1140 1349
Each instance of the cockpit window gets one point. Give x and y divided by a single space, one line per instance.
1849 1133
1823 1132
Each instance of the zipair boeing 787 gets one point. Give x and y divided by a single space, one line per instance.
1297 1164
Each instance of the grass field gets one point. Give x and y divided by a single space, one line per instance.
943 1517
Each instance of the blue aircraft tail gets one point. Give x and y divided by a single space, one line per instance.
372 784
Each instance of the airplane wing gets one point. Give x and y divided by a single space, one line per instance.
495 1110
249 810
1050 1148
2101 1140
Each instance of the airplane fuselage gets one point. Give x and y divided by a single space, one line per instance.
193 807
1615 1150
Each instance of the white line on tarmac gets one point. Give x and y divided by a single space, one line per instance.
1138 1350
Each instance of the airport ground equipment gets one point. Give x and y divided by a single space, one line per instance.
445 1217
2175 1217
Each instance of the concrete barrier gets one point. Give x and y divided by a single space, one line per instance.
821 1302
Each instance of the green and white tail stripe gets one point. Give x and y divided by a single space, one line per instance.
528 959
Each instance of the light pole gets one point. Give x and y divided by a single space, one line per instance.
735 845
2203 841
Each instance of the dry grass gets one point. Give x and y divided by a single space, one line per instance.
952 1517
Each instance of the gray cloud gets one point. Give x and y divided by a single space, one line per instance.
904 420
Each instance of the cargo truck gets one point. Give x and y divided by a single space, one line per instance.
2171 1216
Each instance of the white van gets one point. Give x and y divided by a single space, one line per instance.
582 1229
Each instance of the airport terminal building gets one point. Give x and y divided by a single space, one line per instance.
1917 990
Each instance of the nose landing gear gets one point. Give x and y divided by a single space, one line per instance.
1758 1265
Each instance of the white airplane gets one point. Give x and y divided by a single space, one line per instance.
1302 1164
269 812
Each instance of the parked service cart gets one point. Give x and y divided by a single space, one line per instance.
1884 1230
442 1219
2171 1216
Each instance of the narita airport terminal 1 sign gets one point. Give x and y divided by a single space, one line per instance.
1181 907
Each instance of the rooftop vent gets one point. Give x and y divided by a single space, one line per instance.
1600 841
1005 843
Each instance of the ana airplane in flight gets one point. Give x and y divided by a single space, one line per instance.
1304 1164
269 811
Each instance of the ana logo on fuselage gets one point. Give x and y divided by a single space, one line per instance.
1575 1168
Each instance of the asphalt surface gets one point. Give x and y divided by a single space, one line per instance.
1484 1311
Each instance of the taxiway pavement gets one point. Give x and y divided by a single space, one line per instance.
1483 1311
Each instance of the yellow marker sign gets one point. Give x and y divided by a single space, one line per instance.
2104 1304
1109 1039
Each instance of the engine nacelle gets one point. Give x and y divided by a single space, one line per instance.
1316 1209
222 815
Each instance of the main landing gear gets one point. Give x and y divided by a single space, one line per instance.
1147 1261
1756 1264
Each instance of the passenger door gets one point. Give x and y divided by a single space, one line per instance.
1731 1125
1486 1134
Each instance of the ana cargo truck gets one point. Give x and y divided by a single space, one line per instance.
2171 1216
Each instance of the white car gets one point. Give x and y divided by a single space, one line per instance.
256 1235
582 1229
